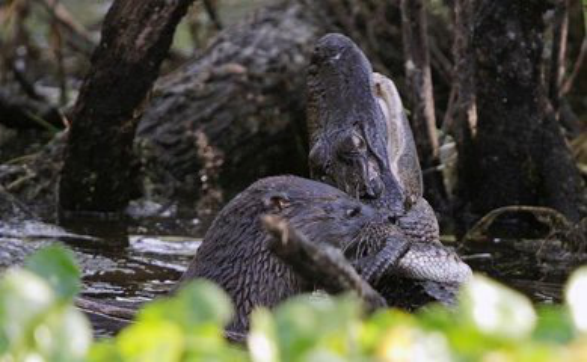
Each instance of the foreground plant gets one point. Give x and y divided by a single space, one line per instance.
491 323
38 321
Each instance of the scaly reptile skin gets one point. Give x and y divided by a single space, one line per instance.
362 143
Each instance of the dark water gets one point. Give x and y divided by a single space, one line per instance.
116 264
538 268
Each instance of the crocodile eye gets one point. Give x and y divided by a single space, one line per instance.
351 146
358 142
354 212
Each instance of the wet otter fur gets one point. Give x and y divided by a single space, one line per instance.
234 253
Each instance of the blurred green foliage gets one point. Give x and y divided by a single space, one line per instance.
38 321
491 323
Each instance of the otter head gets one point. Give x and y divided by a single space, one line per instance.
348 128
321 212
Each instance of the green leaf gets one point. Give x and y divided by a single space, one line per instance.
199 302
186 327
24 299
65 335
152 341
377 326
308 325
555 325
410 343
262 340
105 350
576 298
438 317
57 266
35 324
496 310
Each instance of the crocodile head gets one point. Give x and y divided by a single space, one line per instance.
360 140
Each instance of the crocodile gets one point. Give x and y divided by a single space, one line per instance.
361 142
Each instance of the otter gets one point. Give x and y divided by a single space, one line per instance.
235 255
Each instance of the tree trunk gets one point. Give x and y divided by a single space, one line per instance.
520 154
419 85
136 36
461 119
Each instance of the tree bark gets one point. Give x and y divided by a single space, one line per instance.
560 29
520 154
419 85
461 119
136 36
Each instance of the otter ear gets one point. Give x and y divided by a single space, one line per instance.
276 201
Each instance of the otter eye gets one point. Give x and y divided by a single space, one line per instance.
355 211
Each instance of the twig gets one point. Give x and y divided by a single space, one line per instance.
568 84
447 120
418 77
559 49
442 64
25 84
64 18
210 7
20 181
324 265
41 122
87 305
421 95
21 159
57 47
16 202
554 219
